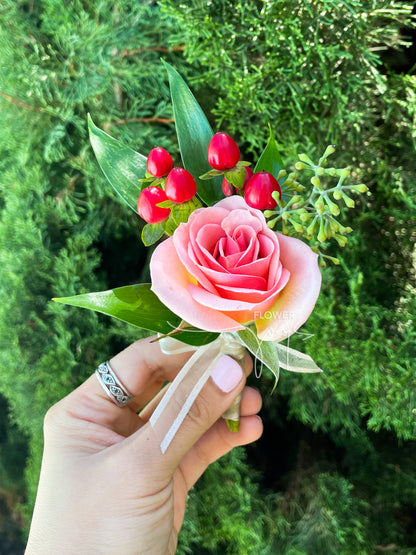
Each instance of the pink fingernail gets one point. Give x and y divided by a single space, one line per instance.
227 374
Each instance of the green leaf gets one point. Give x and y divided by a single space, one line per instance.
139 306
181 212
236 177
152 233
122 166
194 134
265 351
166 204
270 159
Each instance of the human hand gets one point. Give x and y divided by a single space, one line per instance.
105 486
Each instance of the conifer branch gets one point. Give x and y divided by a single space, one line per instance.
128 52
19 102
166 121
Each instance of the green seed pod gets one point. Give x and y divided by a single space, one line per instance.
333 259
337 194
320 171
334 225
321 235
300 166
305 217
305 158
316 182
311 228
333 208
341 240
320 205
327 229
348 201
359 188
297 226
329 150
331 171
285 216
272 223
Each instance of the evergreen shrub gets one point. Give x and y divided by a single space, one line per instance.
335 467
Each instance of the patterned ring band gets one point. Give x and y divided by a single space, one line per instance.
112 385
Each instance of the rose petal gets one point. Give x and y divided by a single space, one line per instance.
170 280
236 280
251 252
182 245
238 218
207 299
246 312
201 218
249 295
297 299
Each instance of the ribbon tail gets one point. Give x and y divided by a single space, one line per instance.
197 371
186 408
175 384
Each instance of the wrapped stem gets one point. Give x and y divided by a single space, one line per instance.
232 414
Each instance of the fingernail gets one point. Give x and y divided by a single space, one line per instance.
227 374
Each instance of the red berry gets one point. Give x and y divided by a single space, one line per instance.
223 152
259 189
146 205
229 189
180 185
159 162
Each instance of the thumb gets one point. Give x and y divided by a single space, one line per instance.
224 385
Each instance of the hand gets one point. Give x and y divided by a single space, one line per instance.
105 486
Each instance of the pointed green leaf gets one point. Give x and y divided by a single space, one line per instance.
139 306
122 166
270 160
265 351
194 134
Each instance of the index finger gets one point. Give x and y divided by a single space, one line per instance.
143 369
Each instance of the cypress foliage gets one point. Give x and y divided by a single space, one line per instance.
324 73
62 231
336 471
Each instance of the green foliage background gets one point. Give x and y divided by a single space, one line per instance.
334 471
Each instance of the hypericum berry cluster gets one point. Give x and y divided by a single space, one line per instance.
224 157
168 185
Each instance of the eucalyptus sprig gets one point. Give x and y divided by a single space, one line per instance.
312 213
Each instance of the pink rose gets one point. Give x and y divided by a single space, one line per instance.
225 268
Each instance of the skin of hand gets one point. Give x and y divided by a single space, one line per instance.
105 486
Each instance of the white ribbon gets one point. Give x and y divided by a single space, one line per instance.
200 367
202 363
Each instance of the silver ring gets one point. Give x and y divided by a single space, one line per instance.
112 385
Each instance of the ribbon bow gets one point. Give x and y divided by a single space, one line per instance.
202 363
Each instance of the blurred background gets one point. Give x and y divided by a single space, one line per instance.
334 472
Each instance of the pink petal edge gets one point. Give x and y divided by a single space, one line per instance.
297 300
